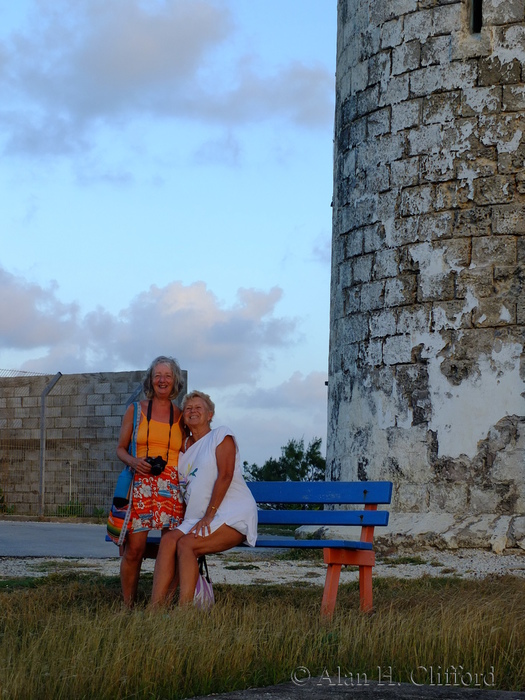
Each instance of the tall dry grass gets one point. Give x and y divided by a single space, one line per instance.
69 638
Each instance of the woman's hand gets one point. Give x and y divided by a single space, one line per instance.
202 528
140 466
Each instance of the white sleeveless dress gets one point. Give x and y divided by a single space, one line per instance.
197 475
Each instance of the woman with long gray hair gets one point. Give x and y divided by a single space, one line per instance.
149 444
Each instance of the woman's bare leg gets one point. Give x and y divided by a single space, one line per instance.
190 548
165 567
130 564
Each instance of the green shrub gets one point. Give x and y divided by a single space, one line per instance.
71 509
4 508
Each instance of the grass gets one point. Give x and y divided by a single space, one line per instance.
407 559
67 636
59 565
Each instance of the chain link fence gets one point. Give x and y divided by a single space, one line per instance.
58 437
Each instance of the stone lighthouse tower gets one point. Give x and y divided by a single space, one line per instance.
427 358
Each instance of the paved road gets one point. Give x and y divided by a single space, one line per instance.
46 539
372 691
57 539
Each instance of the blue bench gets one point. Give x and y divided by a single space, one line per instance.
337 552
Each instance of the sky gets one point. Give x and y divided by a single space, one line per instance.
166 180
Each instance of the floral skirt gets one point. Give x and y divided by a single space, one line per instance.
157 502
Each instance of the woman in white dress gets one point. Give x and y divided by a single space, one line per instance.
221 512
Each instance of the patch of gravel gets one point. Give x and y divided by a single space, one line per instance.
256 566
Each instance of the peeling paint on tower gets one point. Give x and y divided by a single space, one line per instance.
427 370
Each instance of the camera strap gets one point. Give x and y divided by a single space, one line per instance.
148 418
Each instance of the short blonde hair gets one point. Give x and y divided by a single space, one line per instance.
199 395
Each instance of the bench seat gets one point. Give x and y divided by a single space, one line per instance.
326 504
310 500
290 542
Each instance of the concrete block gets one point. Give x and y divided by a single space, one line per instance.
447 18
442 107
418 25
406 57
102 388
397 349
491 248
400 291
434 226
517 532
493 190
416 201
414 320
513 98
379 67
436 50
481 100
102 410
492 71
385 264
406 115
13 402
495 13
474 532
371 353
448 498
392 34
371 297
362 268
508 219
405 173
383 323
367 100
395 91
494 313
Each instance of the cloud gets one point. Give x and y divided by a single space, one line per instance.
262 435
299 93
81 65
225 150
322 249
296 393
31 316
220 345
266 419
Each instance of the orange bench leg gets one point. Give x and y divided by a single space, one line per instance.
331 585
365 588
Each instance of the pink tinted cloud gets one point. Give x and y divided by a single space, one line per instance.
220 344
296 392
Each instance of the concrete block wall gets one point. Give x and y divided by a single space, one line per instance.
83 417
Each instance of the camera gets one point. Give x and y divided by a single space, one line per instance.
157 465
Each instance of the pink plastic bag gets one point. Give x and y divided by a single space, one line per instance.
204 598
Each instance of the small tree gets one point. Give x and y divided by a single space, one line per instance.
295 464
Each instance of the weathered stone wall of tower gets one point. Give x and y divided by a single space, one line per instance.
427 371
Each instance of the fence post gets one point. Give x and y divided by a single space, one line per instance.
43 440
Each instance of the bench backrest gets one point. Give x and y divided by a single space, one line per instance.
367 493
342 492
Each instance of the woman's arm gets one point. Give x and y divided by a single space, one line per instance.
139 465
225 456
